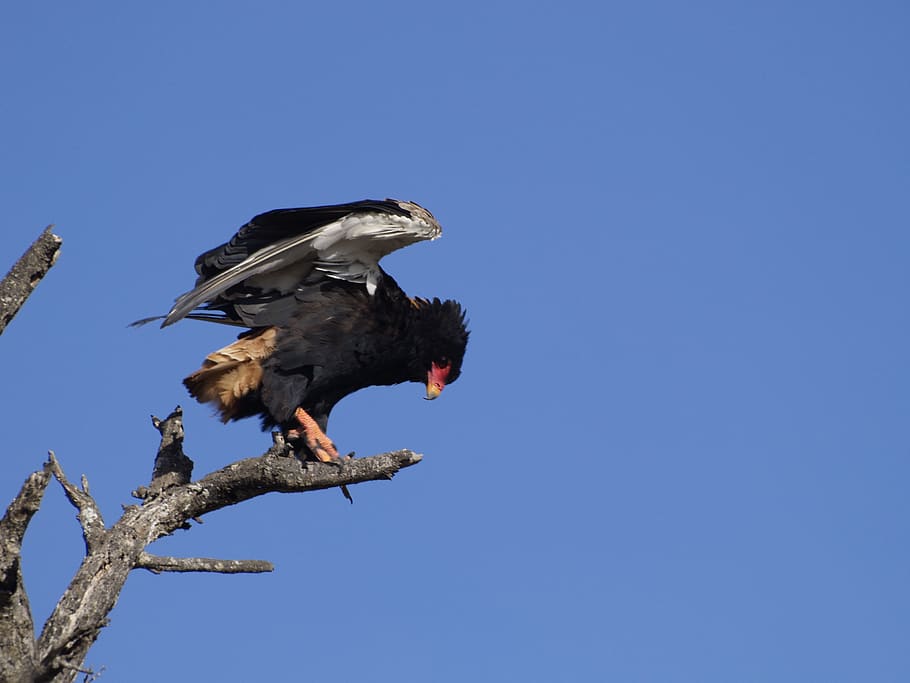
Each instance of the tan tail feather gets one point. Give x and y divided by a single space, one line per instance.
229 374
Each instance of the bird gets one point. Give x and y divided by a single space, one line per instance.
321 317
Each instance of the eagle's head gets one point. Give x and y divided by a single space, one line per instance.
444 337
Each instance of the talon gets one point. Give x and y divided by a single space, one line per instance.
334 462
323 456
319 444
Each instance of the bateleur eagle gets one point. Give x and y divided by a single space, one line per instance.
323 318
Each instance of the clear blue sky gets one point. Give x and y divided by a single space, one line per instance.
679 448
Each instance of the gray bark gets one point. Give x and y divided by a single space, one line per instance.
17 631
25 275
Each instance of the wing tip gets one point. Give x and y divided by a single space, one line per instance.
145 321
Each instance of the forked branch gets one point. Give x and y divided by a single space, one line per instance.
170 502
89 514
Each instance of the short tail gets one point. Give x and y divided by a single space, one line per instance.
228 376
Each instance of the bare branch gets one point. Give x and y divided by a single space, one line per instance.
253 477
25 275
89 514
83 609
172 466
17 630
157 564
20 511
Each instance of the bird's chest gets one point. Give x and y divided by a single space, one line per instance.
343 364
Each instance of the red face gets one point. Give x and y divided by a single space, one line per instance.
436 379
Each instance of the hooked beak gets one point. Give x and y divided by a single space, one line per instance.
436 380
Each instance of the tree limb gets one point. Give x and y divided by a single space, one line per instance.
26 273
172 467
82 611
89 516
17 630
157 564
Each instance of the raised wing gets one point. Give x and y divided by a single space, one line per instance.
275 252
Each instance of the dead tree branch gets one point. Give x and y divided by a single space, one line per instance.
157 564
172 467
17 653
89 514
169 503
25 275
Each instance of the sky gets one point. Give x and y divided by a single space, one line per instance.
678 450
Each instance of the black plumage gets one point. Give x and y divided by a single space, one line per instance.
324 319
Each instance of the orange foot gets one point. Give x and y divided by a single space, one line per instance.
319 444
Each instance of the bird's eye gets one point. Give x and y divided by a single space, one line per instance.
443 362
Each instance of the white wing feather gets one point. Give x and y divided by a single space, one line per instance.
347 249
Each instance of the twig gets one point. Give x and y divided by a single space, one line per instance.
25 275
158 563
90 675
89 516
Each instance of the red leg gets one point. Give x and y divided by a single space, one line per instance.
315 439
